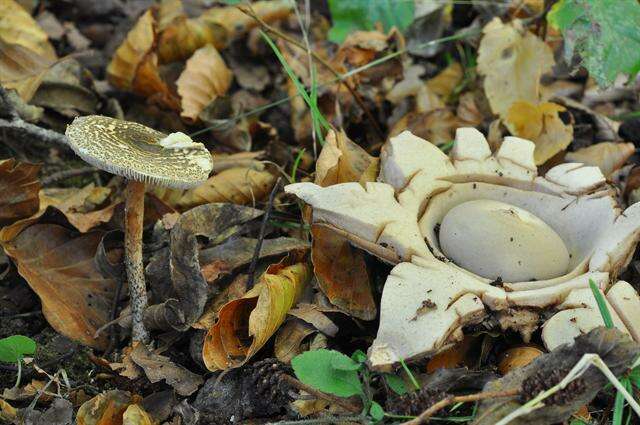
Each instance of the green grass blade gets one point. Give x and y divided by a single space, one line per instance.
602 304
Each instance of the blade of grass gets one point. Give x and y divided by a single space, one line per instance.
411 377
296 164
602 304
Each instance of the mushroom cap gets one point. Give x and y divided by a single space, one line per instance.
138 152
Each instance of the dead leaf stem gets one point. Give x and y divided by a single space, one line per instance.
424 416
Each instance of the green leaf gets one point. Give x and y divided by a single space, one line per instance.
395 383
315 368
355 15
344 363
603 33
602 304
14 348
359 356
376 411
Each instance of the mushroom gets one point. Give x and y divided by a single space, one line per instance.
141 155
493 236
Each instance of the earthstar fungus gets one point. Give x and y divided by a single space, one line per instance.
141 155
480 231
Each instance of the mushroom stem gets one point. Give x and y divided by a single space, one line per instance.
134 215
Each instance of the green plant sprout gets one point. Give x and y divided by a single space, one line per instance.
13 349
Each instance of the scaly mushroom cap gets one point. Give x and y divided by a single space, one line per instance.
138 152
478 230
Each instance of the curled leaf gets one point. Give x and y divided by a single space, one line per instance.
105 409
183 36
246 324
237 23
21 69
205 78
19 188
18 27
136 415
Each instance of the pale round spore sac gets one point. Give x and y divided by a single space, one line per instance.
496 240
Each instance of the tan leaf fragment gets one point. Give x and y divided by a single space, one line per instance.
21 69
542 125
136 415
289 339
105 409
19 188
608 156
512 60
341 160
246 324
18 27
446 80
240 186
182 37
205 78
78 205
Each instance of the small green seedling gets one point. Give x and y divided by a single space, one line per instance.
14 348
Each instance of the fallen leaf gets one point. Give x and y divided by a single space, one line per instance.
157 368
136 415
512 60
246 324
78 205
21 69
290 337
446 80
608 156
182 36
7 412
315 316
437 126
67 88
341 161
468 110
412 85
149 83
18 27
240 186
205 78
58 264
454 357
105 409
540 123
237 23
19 188
516 357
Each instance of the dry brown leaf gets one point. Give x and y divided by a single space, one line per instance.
456 356
541 124
148 83
105 409
7 412
412 85
78 205
182 37
205 78
608 156
446 80
512 60
468 110
19 187
18 27
341 161
246 324
240 186
58 264
21 69
237 23
124 65
517 357
289 339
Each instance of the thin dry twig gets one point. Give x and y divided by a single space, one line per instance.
339 401
66 174
424 416
251 13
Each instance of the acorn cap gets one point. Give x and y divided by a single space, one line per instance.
138 152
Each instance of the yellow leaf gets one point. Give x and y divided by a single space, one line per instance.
105 409
148 83
542 125
446 81
7 412
608 156
18 27
123 67
512 61
184 36
205 77
246 324
136 415
79 205
19 186
21 69
241 185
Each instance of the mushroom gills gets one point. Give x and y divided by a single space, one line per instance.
497 240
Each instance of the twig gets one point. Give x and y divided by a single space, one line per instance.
323 420
342 402
263 229
66 174
424 416
251 13
15 316
17 125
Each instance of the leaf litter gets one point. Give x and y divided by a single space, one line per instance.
264 307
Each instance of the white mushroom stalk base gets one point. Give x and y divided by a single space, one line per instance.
481 232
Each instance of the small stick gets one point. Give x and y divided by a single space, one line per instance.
263 229
424 416
340 401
